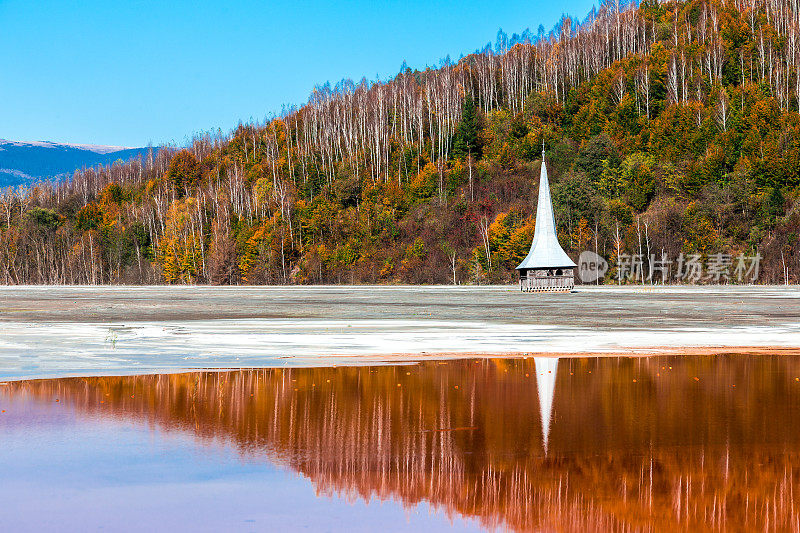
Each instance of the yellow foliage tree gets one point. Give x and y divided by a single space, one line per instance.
180 250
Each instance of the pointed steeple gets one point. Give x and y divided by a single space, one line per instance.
545 251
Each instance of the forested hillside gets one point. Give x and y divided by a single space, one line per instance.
669 127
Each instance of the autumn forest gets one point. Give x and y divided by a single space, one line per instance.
669 128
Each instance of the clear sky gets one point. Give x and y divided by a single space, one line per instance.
130 73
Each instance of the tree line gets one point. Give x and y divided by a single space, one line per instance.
673 124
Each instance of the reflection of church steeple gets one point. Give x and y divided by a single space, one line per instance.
407 433
546 368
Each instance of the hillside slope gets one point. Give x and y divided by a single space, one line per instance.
671 128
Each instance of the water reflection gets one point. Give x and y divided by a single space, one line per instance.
546 371
668 443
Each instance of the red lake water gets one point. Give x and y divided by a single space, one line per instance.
661 443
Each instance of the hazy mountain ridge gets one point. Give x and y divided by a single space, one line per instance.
24 163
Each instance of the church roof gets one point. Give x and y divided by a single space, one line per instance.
545 250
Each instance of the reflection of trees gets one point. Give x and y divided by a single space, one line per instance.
667 451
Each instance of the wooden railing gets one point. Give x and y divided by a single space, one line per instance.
547 283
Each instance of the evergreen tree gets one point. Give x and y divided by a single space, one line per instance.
467 137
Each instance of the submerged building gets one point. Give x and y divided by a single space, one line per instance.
546 267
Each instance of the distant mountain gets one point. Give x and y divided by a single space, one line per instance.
24 163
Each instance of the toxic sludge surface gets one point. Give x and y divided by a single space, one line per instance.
660 443
81 331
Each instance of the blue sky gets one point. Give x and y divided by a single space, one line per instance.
130 73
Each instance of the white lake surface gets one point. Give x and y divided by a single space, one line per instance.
79 331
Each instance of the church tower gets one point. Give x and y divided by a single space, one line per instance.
546 267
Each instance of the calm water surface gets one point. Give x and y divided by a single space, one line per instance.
665 443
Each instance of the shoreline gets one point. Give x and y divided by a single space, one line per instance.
397 359
62 331
95 304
